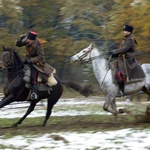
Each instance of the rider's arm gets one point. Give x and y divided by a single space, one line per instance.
21 40
127 47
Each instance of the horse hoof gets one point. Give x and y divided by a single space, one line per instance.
43 124
116 114
14 125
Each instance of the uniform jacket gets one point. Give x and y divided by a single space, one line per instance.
35 53
127 48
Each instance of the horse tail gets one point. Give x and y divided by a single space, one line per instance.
83 90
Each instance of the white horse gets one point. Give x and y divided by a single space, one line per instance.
104 75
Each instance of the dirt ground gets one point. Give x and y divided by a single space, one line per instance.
92 123
79 123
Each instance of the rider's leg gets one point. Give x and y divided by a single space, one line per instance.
120 83
121 89
34 74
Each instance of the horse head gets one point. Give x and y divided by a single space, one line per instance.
10 59
7 56
84 55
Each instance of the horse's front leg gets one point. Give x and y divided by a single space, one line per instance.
30 109
110 100
6 100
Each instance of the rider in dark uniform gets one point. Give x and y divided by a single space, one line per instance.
34 57
127 65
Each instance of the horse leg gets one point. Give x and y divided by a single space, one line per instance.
110 101
113 106
30 109
52 100
6 101
146 90
49 111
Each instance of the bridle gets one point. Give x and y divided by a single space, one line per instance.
9 63
81 59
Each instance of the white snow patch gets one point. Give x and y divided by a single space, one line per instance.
126 139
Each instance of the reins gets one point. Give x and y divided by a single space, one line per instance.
106 71
90 59
11 64
15 67
14 71
13 81
81 61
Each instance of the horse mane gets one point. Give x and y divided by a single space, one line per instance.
19 64
15 54
18 57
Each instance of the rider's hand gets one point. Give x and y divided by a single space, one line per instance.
22 36
111 52
28 61
21 40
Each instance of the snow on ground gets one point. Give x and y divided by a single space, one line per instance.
125 139
18 109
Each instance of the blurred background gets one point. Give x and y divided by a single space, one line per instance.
68 26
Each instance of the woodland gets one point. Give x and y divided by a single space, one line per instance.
68 26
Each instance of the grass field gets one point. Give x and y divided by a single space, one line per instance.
74 114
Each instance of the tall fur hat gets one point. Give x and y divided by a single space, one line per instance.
128 28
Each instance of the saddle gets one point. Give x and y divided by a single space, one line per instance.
44 82
124 78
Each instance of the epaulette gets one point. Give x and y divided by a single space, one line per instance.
42 41
133 38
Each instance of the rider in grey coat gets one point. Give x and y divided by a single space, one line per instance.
127 65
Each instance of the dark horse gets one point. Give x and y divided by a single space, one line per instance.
15 89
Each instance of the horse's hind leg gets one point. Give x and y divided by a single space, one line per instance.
30 109
48 113
110 101
114 107
51 101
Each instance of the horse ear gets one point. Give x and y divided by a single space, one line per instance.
92 45
3 48
12 49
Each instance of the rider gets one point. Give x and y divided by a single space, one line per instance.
34 58
127 66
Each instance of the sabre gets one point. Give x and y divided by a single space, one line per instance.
124 61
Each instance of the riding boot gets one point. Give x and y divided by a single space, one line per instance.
34 94
121 89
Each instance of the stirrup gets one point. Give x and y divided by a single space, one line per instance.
34 96
120 94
